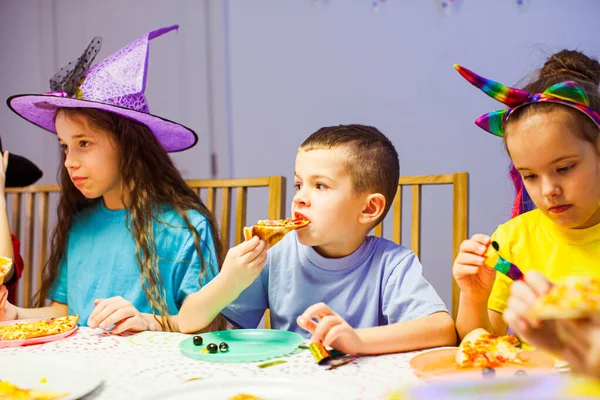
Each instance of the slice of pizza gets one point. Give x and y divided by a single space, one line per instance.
481 349
574 297
34 329
272 231
5 266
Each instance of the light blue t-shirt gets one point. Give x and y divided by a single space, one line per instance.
381 283
100 260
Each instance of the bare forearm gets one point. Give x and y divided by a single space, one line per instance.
201 308
431 331
54 311
472 314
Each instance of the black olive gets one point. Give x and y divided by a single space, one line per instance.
197 340
520 373
224 347
212 348
489 372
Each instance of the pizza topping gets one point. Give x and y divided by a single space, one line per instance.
489 351
300 221
574 297
34 329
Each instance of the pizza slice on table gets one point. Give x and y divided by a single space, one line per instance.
574 297
5 266
481 349
272 231
34 329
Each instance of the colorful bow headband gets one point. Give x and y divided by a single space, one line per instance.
568 93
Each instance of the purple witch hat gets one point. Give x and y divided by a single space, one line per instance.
115 85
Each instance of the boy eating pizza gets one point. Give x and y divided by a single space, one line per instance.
360 294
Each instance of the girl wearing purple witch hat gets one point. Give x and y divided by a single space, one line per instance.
132 239
551 131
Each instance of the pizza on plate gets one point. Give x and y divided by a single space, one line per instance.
481 349
574 297
5 266
8 391
35 329
273 230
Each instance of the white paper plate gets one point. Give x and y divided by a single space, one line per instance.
264 388
58 375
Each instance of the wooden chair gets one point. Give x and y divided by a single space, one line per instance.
35 218
460 211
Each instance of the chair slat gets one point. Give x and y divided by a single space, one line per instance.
415 236
378 230
225 216
240 213
397 217
28 248
16 214
210 199
42 217
460 223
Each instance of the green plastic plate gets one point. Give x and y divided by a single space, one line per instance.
245 345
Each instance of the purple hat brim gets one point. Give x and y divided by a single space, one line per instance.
40 110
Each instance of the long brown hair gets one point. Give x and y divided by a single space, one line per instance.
150 179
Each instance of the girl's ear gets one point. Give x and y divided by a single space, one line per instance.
374 207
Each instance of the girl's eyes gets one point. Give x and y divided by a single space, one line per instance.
567 168
84 143
320 186
297 186
529 177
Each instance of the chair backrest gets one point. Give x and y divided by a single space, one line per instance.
32 221
460 212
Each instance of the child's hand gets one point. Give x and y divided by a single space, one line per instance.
581 345
244 262
8 312
575 341
118 312
474 278
331 329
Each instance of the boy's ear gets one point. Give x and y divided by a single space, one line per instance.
374 206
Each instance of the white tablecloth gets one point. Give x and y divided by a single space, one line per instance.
136 366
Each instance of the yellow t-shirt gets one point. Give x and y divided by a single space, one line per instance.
532 241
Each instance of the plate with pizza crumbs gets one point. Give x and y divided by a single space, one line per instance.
441 365
45 378
36 331
260 389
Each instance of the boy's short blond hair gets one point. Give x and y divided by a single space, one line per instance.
373 162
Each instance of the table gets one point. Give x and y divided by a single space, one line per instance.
136 366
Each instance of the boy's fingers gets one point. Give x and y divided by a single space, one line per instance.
324 326
318 310
306 324
522 291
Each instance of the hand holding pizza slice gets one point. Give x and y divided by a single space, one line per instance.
272 231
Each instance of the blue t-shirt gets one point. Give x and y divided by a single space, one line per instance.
381 283
100 260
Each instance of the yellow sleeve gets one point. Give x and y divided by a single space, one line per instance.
498 300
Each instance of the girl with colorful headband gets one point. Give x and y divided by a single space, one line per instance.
132 239
551 131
